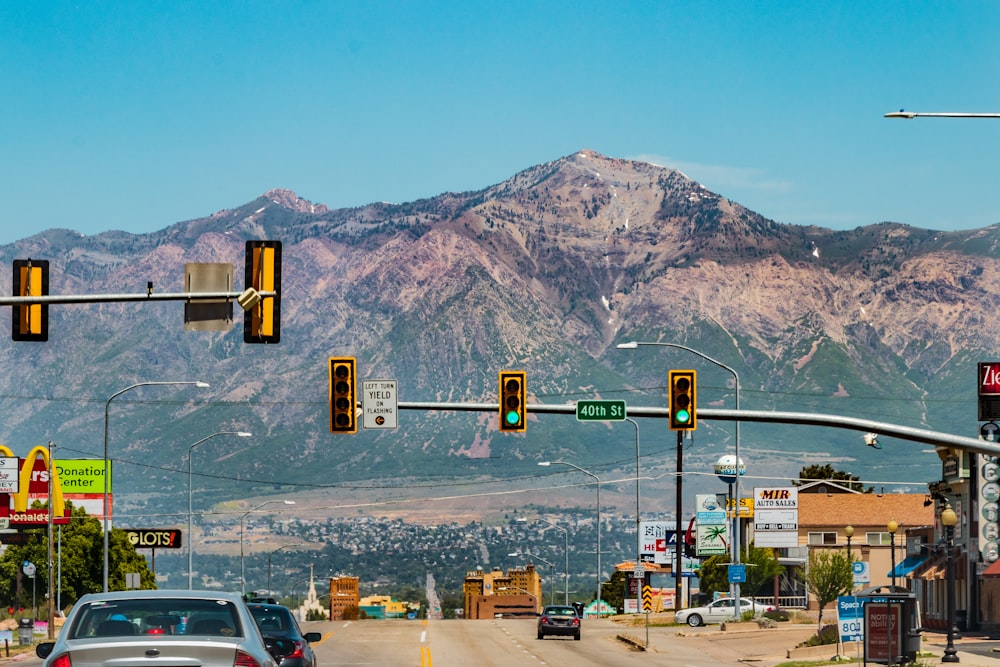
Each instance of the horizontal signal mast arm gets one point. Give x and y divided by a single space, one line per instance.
757 416
110 298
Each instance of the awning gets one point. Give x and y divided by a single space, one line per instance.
909 564
932 569
993 570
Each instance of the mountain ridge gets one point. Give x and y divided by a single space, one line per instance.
545 271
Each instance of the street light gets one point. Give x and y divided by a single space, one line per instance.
552 567
243 580
293 544
597 479
241 434
565 555
849 532
959 114
948 520
638 518
107 462
892 527
735 557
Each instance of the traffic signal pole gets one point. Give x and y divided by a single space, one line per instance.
757 416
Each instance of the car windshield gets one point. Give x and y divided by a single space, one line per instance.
159 616
560 611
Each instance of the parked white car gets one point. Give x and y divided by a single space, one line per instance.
719 611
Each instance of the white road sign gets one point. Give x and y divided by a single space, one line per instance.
379 404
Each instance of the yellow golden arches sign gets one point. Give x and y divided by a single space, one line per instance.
24 481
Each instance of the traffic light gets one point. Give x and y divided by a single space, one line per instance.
263 274
682 401
343 418
30 321
513 401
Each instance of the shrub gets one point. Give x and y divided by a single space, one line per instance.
828 635
777 615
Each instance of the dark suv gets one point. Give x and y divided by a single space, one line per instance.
559 620
278 626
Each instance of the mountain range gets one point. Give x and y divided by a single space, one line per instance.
545 272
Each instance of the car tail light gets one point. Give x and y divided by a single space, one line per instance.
62 661
156 631
576 621
297 653
545 619
243 659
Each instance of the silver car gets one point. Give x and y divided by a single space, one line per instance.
719 611
203 628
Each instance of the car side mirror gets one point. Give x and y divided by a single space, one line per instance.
44 649
312 637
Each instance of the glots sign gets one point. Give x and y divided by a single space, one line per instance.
154 539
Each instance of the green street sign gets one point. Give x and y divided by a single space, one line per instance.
600 411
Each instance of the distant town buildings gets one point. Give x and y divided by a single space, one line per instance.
517 592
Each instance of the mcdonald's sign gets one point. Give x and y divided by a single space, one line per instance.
33 481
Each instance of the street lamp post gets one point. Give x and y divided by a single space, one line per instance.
107 462
243 579
552 568
948 520
565 557
892 527
190 535
735 556
849 533
949 114
294 544
638 518
598 484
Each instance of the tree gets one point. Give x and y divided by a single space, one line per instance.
613 590
827 472
762 568
81 561
828 577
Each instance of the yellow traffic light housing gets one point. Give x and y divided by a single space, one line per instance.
513 401
343 387
31 321
261 323
683 413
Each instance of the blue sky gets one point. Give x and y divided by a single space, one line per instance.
136 115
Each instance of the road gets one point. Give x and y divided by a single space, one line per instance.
506 642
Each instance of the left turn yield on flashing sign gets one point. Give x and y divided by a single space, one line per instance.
379 404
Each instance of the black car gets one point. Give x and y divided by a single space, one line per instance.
559 620
278 625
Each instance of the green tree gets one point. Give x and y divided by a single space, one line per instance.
714 576
613 590
827 472
828 577
81 561
762 568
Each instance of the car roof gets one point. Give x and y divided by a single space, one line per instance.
162 594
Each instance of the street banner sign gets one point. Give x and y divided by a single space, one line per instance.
599 411
379 404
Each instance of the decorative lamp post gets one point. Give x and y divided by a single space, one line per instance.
849 532
190 535
243 580
892 527
107 461
948 520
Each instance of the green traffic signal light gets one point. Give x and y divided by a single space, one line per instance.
682 400
513 399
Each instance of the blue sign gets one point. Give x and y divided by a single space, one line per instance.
850 618
738 574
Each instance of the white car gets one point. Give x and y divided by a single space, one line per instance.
719 611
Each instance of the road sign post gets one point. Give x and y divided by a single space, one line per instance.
598 411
